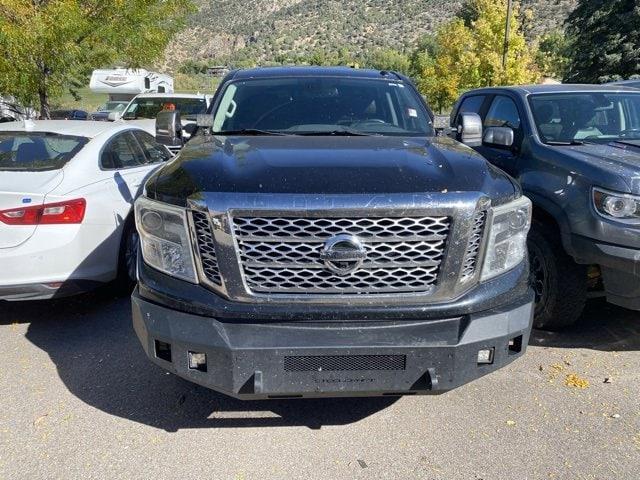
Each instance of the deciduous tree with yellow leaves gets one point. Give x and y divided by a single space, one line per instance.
468 54
47 46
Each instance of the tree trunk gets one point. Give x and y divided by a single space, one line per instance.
43 91
45 111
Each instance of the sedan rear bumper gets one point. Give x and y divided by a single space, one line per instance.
45 291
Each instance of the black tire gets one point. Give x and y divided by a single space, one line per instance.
560 283
127 258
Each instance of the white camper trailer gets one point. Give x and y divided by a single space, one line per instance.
122 84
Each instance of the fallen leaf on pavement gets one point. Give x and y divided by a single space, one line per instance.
574 381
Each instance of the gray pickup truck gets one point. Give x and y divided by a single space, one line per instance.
575 149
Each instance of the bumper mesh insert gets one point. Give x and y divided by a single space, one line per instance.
344 363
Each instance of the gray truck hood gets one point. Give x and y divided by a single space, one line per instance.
621 159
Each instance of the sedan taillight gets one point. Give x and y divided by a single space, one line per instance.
71 211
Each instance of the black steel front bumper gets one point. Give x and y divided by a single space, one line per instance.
289 359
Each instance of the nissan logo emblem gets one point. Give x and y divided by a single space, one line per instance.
343 254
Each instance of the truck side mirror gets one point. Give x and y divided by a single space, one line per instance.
498 136
169 129
469 129
114 116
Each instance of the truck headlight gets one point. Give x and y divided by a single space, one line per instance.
507 242
616 206
164 238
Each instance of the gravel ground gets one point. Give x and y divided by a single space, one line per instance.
78 399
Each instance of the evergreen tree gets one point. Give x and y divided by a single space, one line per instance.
605 40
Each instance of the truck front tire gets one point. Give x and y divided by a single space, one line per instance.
559 283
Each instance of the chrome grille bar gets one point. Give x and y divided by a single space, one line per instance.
470 262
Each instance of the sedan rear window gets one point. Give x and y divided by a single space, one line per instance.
30 151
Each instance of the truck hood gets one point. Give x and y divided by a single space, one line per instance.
621 159
327 165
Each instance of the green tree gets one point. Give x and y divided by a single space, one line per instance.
387 59
452 67
605 40
468 53
553 56
49 46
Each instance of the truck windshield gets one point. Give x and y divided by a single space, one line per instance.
20 151
599 117
113 107
321 106
150 107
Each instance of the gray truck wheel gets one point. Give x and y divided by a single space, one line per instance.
559 283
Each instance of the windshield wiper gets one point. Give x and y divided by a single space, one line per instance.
248 131
572 142
336 133
630 143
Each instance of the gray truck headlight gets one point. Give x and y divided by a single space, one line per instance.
164 238
507 241
617 206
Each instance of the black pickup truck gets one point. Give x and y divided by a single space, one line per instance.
575 149
315 238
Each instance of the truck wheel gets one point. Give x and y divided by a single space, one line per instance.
560 284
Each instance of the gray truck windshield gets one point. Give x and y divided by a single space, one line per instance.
598 117
20 151
321 106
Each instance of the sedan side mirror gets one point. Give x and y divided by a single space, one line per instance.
114 116
169 129
469 129
498 136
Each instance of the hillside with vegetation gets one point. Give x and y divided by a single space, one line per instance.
238 32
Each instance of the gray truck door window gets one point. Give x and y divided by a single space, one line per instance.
472 104
502 113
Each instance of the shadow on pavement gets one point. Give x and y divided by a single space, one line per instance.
98 357
602 327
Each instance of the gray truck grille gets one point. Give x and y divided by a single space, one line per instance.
473 249
206 247
281 255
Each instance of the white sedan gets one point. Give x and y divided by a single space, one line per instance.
66 195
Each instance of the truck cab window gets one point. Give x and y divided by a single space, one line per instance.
502 113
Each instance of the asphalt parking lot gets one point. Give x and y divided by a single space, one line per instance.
78 399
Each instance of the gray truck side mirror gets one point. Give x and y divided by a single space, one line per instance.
468 129
169 129
498 136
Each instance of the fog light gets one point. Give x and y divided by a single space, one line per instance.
485 356
198 361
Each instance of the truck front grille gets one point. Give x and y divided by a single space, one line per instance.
282 255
